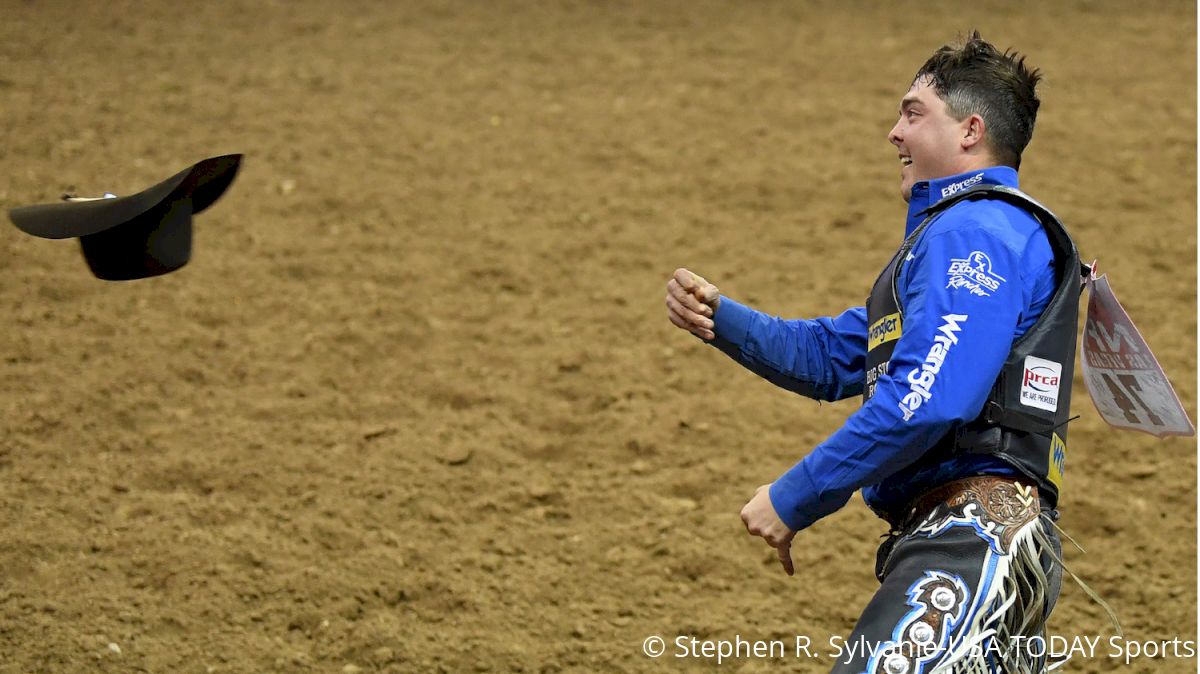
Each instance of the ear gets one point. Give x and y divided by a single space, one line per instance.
973 131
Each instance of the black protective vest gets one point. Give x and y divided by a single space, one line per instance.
1016 423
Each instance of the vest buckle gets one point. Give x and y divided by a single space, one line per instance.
993 413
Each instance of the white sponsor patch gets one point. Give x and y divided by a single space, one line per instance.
955 188
974 272
920 379
1039 384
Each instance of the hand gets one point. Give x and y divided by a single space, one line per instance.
760 519
691 303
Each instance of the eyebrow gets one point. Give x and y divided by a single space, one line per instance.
908 102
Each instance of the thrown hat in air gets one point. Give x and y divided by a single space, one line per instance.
136 236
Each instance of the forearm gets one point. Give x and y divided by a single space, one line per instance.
874 443
818 358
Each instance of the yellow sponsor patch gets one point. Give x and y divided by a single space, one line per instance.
1058 460
884 330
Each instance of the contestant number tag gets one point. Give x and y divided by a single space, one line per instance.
1126 382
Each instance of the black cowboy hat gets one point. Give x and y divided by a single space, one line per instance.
136 236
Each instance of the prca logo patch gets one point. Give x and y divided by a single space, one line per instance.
974 272
1040 382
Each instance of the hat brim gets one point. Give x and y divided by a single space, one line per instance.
202 183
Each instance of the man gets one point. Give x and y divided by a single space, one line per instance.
963 355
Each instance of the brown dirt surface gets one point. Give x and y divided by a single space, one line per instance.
415 406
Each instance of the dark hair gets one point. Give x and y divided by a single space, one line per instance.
973 77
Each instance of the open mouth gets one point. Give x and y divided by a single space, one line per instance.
905 161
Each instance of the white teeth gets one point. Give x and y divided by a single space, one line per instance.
906 160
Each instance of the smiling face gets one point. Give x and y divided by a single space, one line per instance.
931 142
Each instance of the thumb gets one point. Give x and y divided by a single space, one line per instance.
708 294
785 558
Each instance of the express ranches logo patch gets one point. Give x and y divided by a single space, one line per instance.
974 272
962 185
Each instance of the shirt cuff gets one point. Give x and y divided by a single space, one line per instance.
787 495
731 322
795 498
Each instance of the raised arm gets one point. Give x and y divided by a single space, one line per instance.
820 358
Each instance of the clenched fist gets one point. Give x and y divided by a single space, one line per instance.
760 519
691 303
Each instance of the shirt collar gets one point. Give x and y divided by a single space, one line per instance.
928 192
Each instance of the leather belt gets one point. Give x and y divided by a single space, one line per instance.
1004 500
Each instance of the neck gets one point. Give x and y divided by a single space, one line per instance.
975 161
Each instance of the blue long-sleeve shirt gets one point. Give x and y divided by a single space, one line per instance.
978 278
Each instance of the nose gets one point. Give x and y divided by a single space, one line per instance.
895 136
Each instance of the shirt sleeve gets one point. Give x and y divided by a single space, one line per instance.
821 358
962 298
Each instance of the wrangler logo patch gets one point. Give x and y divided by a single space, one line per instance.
921 379
884 330
1058 461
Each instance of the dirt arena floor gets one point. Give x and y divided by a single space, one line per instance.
415 406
